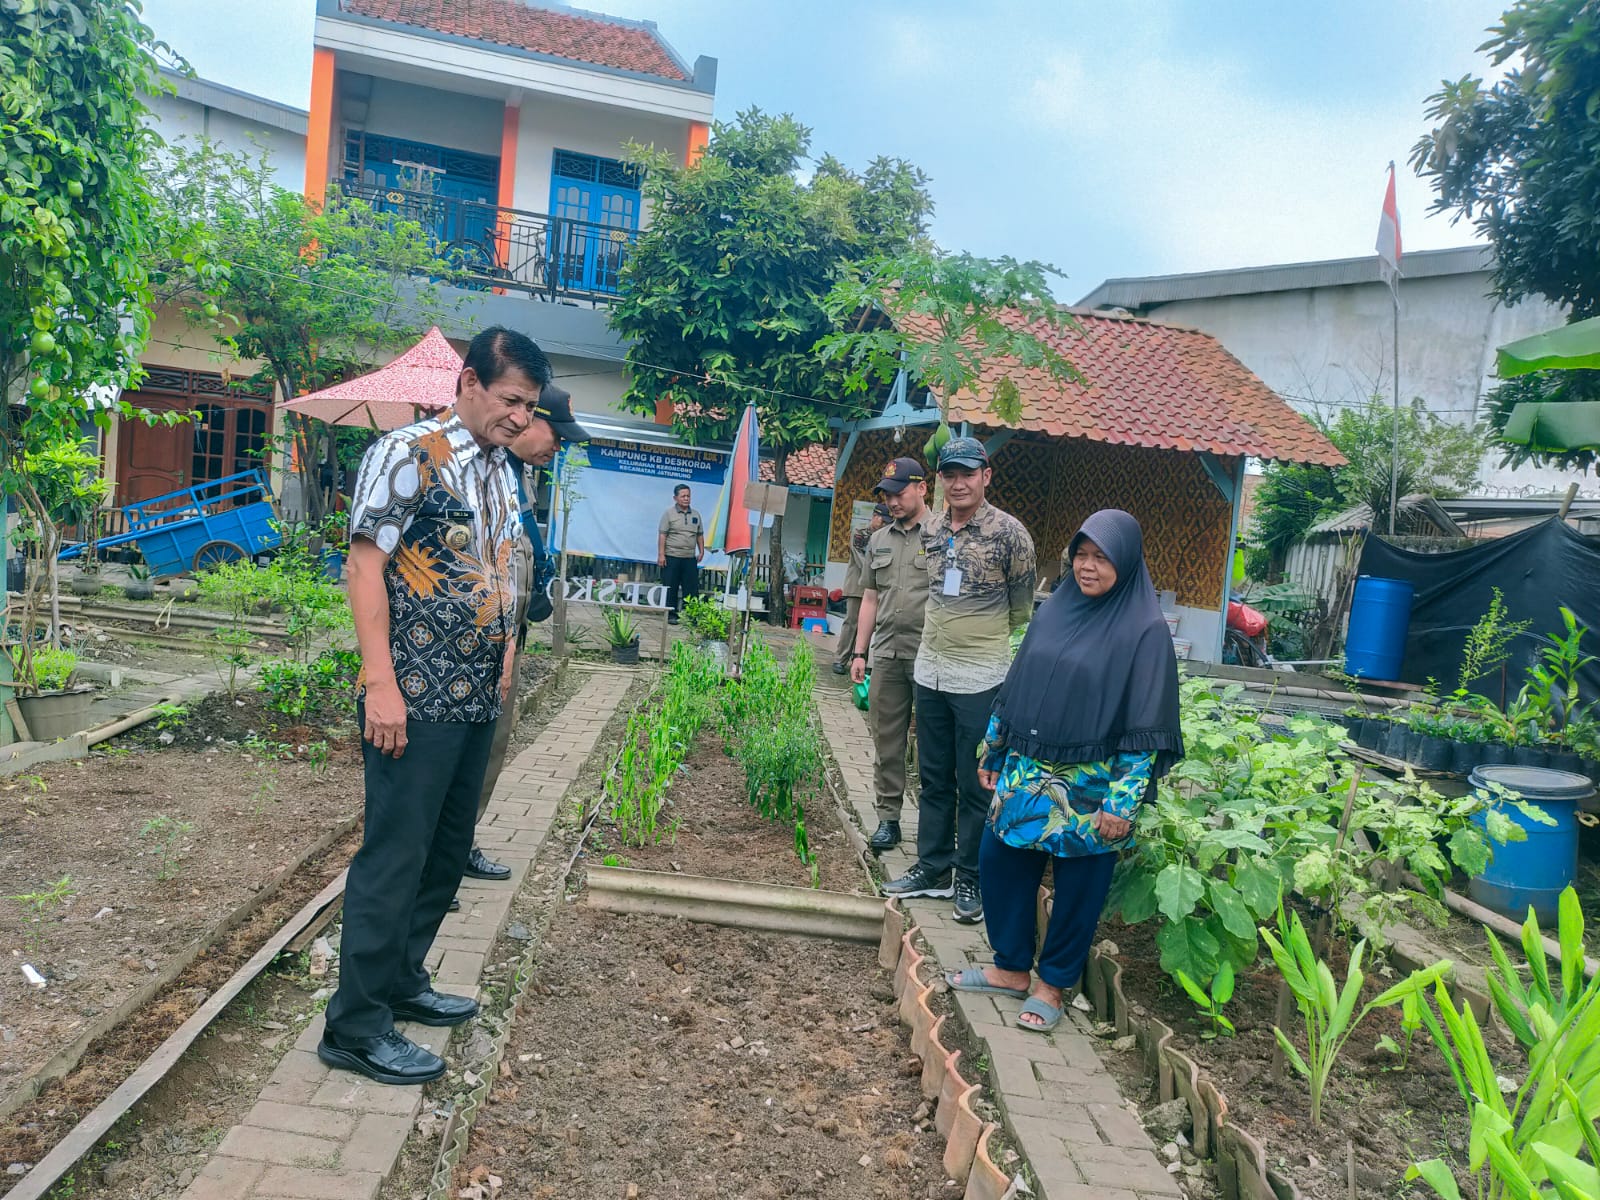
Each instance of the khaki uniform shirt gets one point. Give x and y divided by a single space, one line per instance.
966 637
683 530
897 569
856 573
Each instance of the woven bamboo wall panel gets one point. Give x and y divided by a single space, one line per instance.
1184 516
874 450
1024 478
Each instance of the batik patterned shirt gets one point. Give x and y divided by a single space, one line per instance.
445 511
1050 806
966 633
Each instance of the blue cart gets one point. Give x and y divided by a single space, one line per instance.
226 520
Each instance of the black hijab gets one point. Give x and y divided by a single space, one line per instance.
1097 676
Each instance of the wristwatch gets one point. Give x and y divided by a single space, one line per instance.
858 654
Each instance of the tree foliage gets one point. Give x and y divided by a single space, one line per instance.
1437 456
311 291
721 297
1520 159
949 316
78 232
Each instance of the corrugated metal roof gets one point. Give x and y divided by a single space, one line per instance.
240 104
1141 292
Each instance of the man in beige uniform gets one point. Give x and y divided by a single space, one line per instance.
853 585
893 597
680 545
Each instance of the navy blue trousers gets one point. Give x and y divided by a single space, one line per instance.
1010 879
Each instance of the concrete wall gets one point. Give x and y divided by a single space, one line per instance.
424 114
1334 345
547 124
286 152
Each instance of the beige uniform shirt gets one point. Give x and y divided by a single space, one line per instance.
897 569
683 530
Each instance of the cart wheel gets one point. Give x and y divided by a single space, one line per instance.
214 554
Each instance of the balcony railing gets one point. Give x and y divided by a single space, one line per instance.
492 246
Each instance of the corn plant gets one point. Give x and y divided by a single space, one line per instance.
1329 1012
1512 999
40 903
1211 1003
167 833
1518 1144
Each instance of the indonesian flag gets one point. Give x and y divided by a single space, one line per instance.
1389 236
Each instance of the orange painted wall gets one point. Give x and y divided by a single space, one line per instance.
319 126
699 138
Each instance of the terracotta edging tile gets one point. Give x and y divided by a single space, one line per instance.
935 1058
894 927
987 1181
962 1145
951 1091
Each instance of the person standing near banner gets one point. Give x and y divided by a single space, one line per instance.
680 545
853 587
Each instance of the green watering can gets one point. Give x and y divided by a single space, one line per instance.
858 692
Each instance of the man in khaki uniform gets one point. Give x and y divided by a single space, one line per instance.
680 545
894 595
853 586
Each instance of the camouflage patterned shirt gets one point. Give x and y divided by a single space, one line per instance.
966 632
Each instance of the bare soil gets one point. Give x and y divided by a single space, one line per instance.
698 1061
1392 1117
157 847
719 833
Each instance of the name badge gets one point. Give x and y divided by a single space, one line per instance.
952 581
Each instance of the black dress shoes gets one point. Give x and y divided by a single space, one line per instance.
389 1058
435 1008
885 837
480 867
454 905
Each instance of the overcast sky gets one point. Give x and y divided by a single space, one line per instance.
1107 139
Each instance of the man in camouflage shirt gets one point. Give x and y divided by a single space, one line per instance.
980 590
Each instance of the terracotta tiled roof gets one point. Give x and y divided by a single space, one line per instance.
1149 384
583 37
809 466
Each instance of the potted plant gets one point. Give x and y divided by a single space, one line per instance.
622 635
52 706
139 586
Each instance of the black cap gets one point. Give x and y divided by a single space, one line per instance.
899 473
882 510
555 407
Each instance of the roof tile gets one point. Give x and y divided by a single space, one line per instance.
1148 384
582 37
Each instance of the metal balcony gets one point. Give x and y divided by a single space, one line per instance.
494 247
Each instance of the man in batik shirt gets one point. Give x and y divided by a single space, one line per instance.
433 529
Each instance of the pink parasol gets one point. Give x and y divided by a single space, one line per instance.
423 378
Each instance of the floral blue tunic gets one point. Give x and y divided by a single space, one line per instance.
1049 806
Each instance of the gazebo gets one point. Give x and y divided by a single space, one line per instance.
1162 426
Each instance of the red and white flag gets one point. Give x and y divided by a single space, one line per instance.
1389 236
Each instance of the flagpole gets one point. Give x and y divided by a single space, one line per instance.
1394 448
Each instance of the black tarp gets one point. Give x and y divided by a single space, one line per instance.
1538 571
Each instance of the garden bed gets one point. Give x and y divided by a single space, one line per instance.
157 847
698 1061
1393 1117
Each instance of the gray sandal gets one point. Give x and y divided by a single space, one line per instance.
971 979
1044 1010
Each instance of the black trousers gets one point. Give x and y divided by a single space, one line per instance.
953 809
420 810
682 577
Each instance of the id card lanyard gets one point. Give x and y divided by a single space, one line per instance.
952 573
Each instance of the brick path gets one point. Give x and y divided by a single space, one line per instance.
333 1135
1063 1107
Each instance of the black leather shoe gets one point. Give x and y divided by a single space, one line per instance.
389 1058
435 1008
455 904
885 837
480 867
840 668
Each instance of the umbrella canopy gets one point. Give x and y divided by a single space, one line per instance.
728 531
1568 348
424 378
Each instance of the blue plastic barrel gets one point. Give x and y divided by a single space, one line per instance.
1380 614
1534 872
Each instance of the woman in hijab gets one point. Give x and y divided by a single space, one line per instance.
1085 724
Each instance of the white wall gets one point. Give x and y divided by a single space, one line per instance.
594 386
547 124
286 152
423 114
1335 345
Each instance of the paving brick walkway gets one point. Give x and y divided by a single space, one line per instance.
1064 1108
332 1135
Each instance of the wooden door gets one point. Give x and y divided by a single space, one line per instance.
152 459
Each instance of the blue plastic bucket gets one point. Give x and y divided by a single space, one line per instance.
1380 615
1532 873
